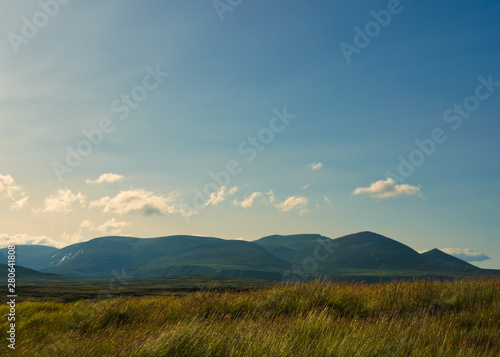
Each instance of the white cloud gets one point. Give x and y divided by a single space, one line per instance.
7 239
19 204
138 201
72 238
112 226
221 195
109 178
271 197
304 211
316 166
291 202
386 189
248 201
306 186
330 203
466 254
13 192
63 201
8 187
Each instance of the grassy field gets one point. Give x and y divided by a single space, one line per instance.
79 289
459 318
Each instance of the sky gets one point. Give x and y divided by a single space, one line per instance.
240 119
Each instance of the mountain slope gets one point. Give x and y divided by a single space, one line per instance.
359 251
25 254
292 248
440 256
360 256
26 276
165 256
369 252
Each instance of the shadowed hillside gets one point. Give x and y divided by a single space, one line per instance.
360 256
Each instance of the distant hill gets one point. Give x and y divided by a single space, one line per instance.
26 276
165 256
25 254
369 252
440 256
292 248
360 256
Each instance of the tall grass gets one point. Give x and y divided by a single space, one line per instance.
459 318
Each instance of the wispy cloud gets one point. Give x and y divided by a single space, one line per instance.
7 239
63 201
327 200
221 195
271 196
20 204
138 201
109 227
8 186
304 211
248 201
386 189
306 186
315 166
466 254
10 190
292 202
72 238
108 178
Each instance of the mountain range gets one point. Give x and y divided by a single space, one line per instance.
361 256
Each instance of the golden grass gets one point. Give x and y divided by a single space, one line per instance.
459 318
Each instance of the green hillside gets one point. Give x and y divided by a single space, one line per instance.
25 254
361 256
165 256
370 251
440 256
293 248
26 276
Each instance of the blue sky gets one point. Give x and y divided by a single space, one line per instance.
229 73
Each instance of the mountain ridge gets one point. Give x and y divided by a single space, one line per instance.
306 256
